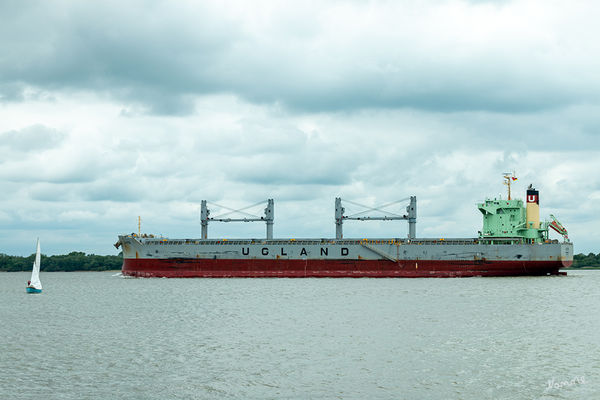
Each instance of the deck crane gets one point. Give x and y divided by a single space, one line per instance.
557 226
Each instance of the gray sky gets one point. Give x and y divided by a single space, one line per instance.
110 110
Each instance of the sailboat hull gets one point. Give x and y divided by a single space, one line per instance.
33 290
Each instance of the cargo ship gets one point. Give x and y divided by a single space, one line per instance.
512 242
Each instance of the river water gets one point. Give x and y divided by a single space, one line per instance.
94 335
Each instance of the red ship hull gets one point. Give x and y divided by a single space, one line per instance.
255 268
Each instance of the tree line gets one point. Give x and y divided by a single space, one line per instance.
74 261
586 260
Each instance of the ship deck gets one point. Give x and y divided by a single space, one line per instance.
329 241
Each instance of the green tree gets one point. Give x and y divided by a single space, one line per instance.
586 260
74 261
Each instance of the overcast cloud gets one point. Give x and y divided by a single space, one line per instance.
110 110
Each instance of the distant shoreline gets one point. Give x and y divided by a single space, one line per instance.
74 261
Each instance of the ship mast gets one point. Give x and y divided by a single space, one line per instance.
268 218
509 178
411 215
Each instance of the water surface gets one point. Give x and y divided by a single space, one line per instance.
92 335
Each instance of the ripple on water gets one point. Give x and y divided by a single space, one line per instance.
98 335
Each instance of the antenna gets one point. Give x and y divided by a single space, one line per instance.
509 178
139 225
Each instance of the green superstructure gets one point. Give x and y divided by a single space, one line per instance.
507 220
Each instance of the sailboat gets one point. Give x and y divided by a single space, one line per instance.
34 285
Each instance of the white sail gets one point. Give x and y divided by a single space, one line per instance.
35 273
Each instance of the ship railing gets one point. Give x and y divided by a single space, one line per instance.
304 242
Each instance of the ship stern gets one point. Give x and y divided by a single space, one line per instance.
566 254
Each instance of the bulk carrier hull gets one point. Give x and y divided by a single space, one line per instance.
512 242
382 258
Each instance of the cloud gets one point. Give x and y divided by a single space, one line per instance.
30 139
444 56
113 111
